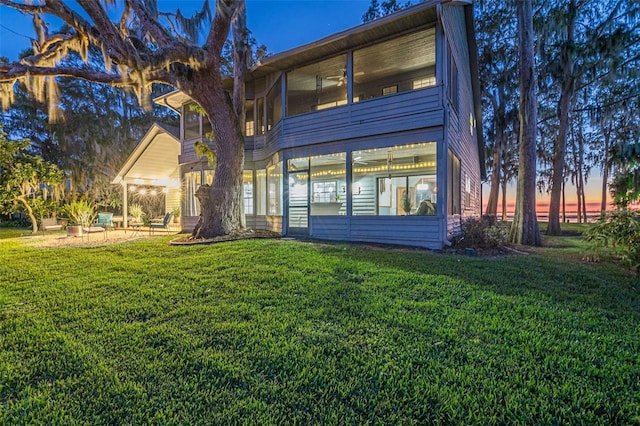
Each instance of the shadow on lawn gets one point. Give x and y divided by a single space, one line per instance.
539 275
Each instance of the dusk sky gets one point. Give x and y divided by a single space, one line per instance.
280 25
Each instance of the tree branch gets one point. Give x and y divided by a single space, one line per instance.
220 29
156 30
109 34
11 72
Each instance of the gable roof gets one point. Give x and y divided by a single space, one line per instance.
154 158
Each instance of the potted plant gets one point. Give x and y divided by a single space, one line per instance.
136 213
81 214
176 214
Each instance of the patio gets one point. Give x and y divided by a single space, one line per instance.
60 238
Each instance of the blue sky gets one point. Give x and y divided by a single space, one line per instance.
279 24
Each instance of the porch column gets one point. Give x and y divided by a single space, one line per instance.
125 206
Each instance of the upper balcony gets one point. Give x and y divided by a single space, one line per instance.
375 79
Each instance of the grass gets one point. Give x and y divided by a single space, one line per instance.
268 331
10 232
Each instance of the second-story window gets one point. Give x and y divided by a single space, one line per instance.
249 123
260 116
191 119
404 63
317 86
274 105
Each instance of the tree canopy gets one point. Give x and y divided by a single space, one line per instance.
146 45
26 181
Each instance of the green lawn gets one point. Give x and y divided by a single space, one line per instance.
10 232
269 331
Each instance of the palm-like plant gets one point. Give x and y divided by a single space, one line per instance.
82 212
136 212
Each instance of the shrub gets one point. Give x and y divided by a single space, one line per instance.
484 232
619 230
81 212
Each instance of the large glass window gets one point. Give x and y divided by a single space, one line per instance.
453 183
247 191
208 177
396 180
192 181
298 169
191 121
274 190
328 184
317 86
404 63
261 192
274 105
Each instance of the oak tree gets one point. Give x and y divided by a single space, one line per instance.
145 46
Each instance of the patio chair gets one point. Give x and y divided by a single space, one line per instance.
105 220
160 223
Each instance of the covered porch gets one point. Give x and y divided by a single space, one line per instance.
152 174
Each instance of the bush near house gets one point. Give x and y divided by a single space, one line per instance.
284 332
484 233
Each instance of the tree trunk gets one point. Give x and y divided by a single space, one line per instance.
581 180
525 223
559 147
564 200
605 170
221 202
579 203
492 202
32 216
504 199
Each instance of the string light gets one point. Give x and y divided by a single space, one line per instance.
395 167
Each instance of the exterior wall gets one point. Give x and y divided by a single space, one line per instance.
423 231
461 129
389 114
172 200
271 223
422 115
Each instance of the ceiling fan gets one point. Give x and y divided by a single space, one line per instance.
359 160
342 79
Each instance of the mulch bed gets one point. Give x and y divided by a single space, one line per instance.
245 234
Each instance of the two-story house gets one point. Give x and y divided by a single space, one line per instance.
371 134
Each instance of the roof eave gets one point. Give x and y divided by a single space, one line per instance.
148 137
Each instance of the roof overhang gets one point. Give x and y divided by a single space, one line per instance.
420 15
173 100
154 161
410 18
